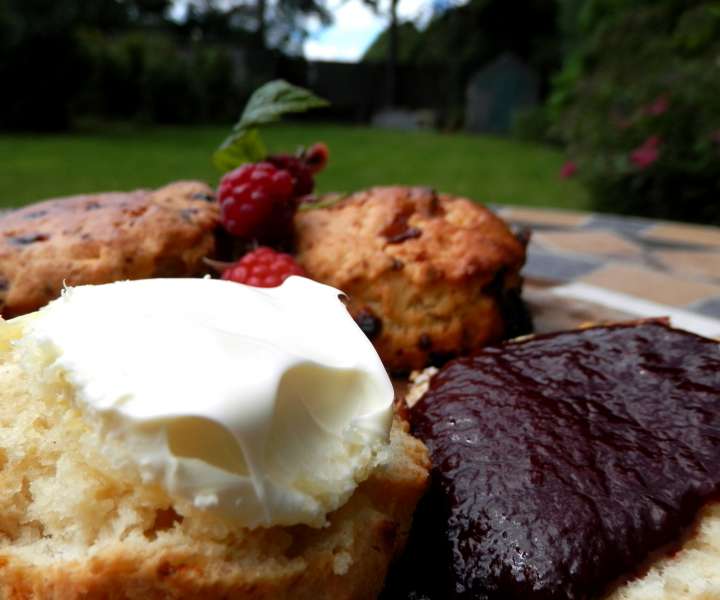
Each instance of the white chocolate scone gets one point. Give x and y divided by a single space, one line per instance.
75 525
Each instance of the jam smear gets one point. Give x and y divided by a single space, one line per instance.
562 461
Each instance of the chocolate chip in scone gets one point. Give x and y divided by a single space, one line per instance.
397 265
4 284
30 238
398 230
370 324
92 205
407 234
204 197
187 214
35 214
424 342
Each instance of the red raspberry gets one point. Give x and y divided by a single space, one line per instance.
263 267
316 157
303 182
251 194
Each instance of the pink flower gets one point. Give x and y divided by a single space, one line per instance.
657 107
568 169
646 154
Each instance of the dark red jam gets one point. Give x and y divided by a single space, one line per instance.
561 462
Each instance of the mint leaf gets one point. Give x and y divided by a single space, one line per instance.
267 105
275 99
238 149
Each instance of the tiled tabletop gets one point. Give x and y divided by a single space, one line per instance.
673 264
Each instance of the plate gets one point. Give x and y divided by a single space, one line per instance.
559 307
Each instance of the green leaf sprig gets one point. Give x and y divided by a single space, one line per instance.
267 105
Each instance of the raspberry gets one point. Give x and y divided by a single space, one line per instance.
316 157
251 195
303 182
263 267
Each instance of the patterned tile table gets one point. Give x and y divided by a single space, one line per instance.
633 266
673 264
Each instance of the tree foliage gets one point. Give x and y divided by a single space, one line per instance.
481 30
464 38
409 39
42 59
127 59
638 104
255 23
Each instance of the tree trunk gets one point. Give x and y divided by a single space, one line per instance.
392 57
262 25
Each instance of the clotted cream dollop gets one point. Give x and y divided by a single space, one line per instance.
266 406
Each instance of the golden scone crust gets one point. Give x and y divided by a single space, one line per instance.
426 271
347 560
102 238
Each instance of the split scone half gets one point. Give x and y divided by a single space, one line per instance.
76 524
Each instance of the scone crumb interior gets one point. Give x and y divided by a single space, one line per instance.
76 520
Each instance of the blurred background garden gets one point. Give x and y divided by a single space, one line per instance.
605 105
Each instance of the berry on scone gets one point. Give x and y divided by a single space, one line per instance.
303 182
263 267
253 196
258 201
316 157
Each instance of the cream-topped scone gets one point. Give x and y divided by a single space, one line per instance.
199 438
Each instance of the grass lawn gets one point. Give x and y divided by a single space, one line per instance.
122 158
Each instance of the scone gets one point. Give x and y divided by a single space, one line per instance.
102 238
427 275
81 518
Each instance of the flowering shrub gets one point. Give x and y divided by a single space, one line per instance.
638 106
647 153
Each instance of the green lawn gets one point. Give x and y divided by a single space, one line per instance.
121 158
